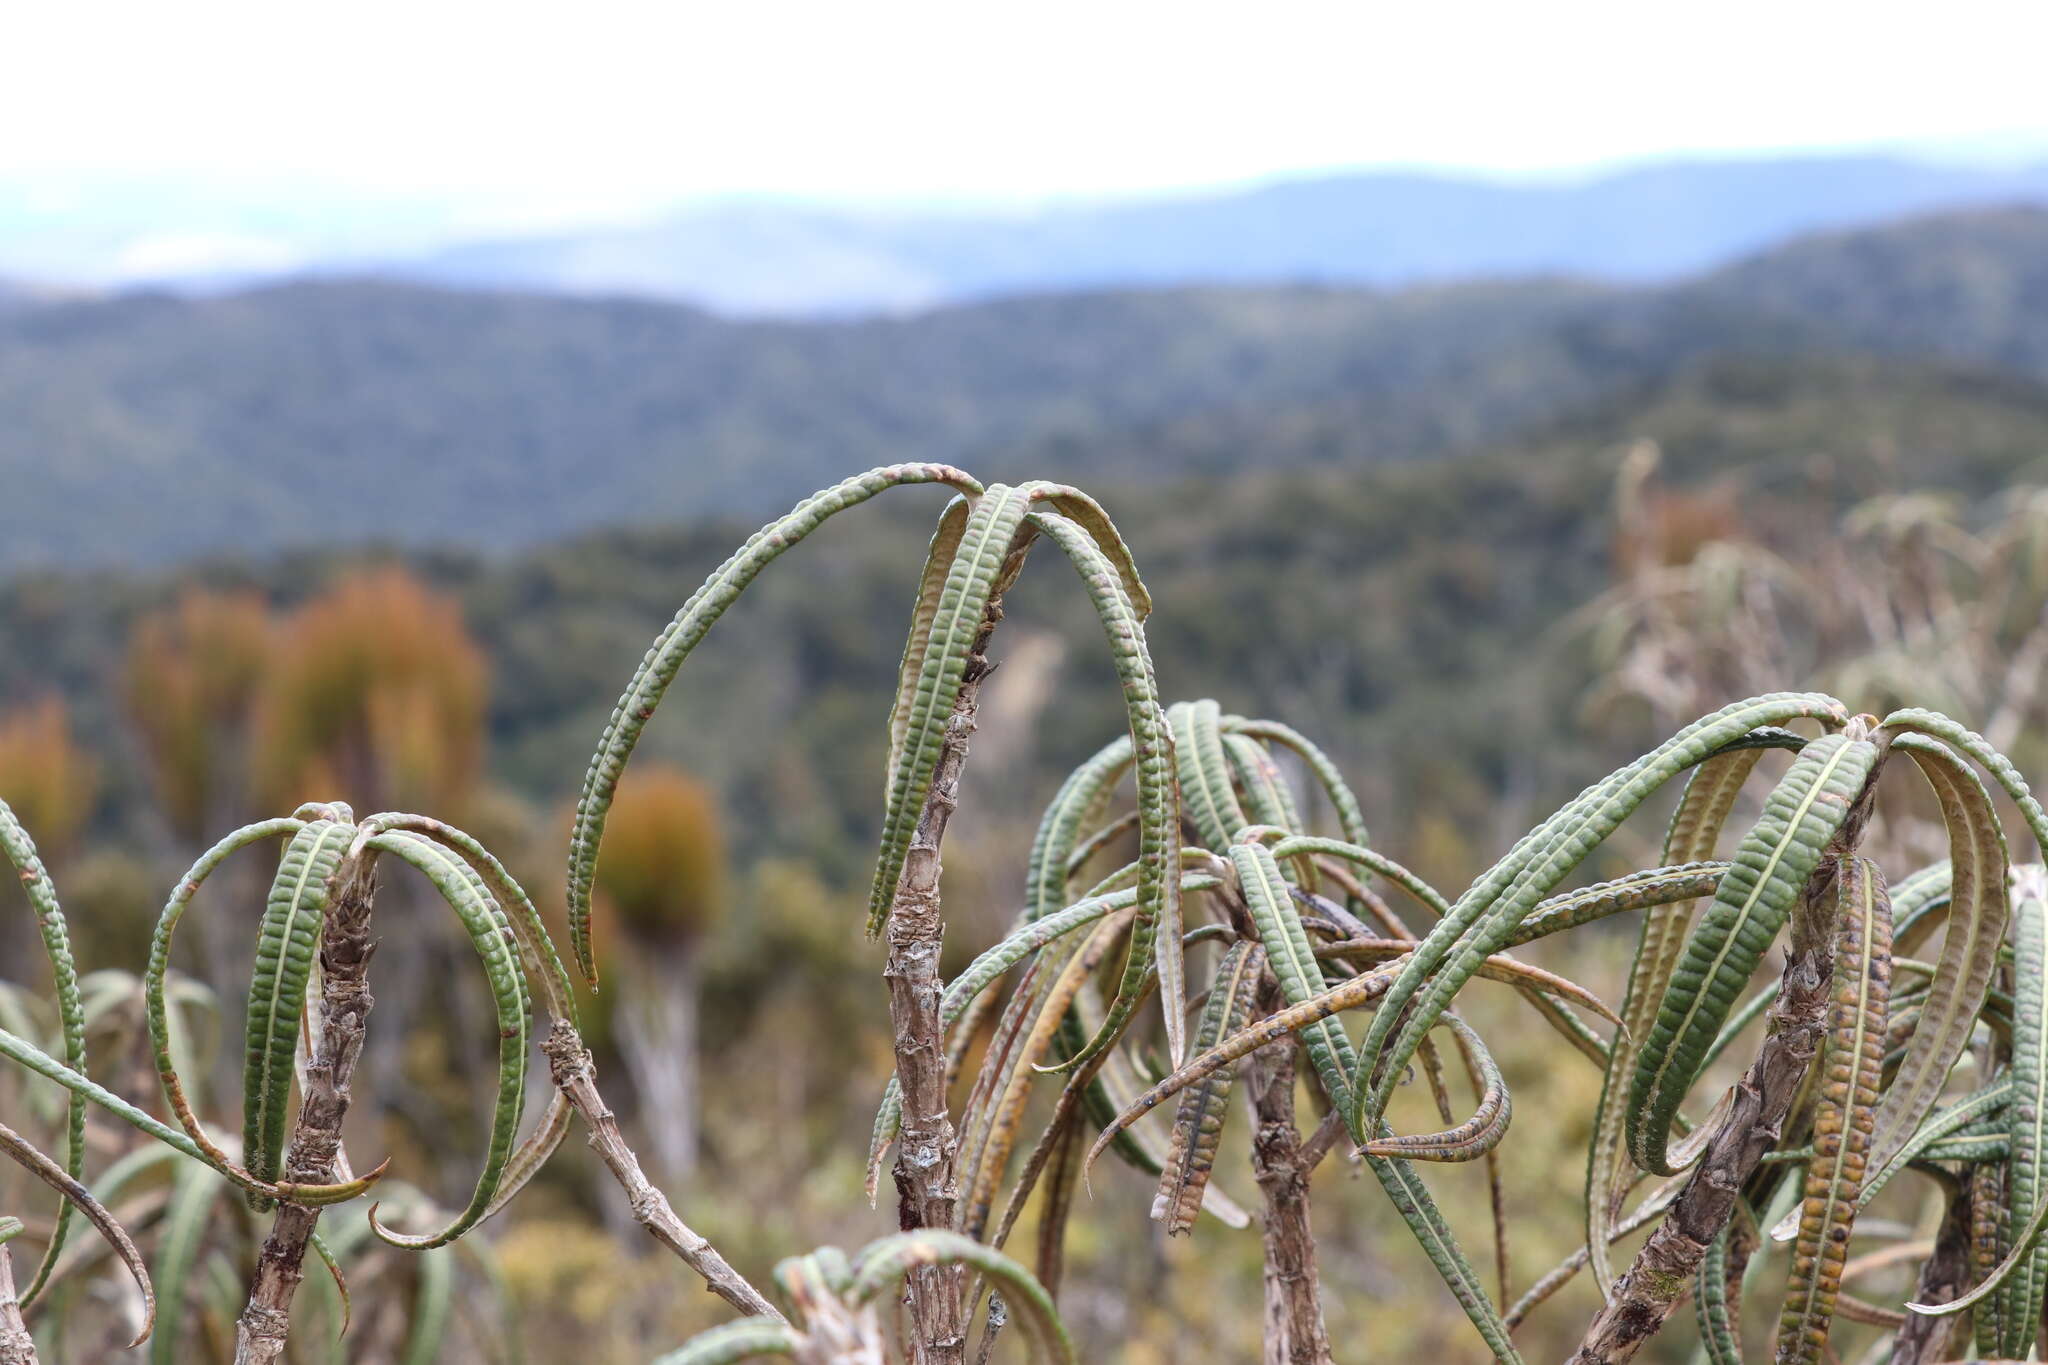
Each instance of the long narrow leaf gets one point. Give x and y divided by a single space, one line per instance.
20 851
1772 866
666 656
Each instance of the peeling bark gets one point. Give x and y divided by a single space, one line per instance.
927 1146
1942 1279
1663 1269
1295 1333
17 1347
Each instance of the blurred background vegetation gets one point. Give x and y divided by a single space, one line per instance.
1553 518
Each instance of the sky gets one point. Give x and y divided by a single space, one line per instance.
602 110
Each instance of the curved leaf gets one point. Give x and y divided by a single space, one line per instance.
1085 512
881 1264
1073 808
1156 932
2026 1181
20 850
290 933
1263 790
665 657
158 1013
938 561
76 1196
986 546
492 937
1350 816
1198 1123
1772 866
536 945
1655 887
1207 797
1293 962
1495 905
736 1341
1969 948
1985 1104
1479 1134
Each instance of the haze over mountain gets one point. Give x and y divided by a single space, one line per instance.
144 428
1655 222
796 258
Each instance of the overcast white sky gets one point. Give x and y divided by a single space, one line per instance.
618 107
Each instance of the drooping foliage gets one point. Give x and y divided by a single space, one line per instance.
1222 864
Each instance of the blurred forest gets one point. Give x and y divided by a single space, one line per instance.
1831 445
352 411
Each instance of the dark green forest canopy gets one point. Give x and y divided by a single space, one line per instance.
147 429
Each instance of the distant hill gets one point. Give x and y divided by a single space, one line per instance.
768 257
145 428
1652 223
1450 576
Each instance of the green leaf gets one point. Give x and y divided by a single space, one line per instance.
1987 1104
1694 833
1478 1135
1156 932
285 944
736 1341
986 545
880 1265
2026 1187
194 1141
1077 805
931 587
42 899
1772 867
1206 795
1294 964
1969 949
672 647
492 937
1350 816
1493 908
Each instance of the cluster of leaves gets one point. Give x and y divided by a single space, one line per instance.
1874 1061
1868 1109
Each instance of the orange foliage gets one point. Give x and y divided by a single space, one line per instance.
191 676
376 696
47 779
1658 527
662 872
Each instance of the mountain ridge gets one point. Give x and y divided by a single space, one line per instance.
785 257
342 412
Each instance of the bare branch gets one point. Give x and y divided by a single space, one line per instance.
1295 1334
574 1074
927 1148
17 1347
